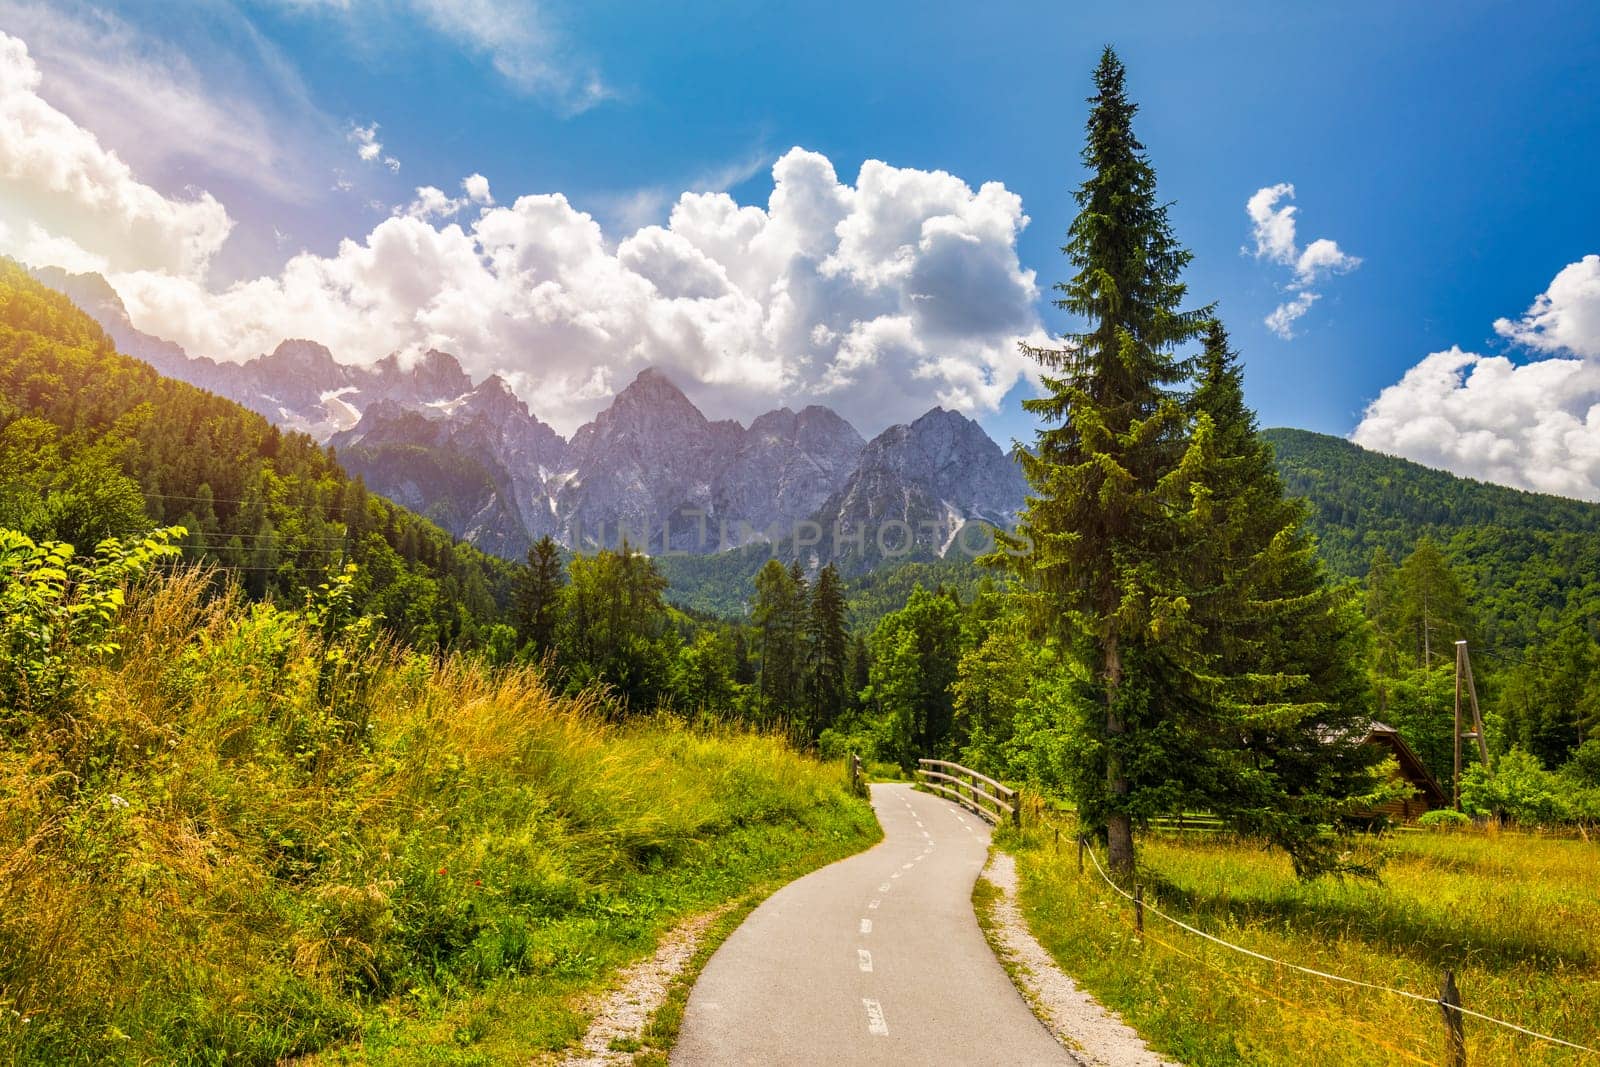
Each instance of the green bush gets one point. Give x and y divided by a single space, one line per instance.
1444 819
1520 789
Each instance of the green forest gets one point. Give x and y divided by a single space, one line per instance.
94 445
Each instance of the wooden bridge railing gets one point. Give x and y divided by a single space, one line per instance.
998 803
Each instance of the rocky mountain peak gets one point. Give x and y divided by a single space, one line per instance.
494 400
653 390
438 376
304 364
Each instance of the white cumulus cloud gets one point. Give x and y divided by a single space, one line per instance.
1273 227
1533 425
1565 317
881 297
67 200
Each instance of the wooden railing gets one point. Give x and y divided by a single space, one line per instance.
998 803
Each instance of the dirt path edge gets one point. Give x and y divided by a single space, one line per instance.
1094 1035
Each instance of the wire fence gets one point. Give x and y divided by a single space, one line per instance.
1141 907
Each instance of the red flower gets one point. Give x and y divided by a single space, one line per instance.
441 870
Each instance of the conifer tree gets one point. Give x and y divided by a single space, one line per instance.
1277 699
1103 544
1433 611
1382 608
777 618
538 597
829 646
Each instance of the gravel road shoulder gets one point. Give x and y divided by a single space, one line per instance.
1094 1035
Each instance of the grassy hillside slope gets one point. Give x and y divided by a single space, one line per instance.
1533 560
239 834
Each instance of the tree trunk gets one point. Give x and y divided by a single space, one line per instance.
1119 827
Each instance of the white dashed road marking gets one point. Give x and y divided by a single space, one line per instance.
864 958
876 1025
874 905
885 887
866 926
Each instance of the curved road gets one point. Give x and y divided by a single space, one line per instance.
876 959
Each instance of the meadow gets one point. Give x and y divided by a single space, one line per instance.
250 834
1515 915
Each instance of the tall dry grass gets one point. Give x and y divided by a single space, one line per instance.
238 842
1515 916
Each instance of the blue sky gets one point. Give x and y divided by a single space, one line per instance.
1451 148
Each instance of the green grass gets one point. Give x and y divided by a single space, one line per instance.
230 847
1516 916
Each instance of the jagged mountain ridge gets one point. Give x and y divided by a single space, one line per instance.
298 385
916 489
651 467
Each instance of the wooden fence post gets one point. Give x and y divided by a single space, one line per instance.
1080 853
1138 909
1455 1044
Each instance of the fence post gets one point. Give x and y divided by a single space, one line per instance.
1080 853
1138 909
1455 1043
1016 808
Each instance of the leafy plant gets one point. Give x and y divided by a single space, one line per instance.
57 610
1444 819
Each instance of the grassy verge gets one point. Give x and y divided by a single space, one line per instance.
242 841
1514 915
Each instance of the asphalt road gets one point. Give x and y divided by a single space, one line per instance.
876 959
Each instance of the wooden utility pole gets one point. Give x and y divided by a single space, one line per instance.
1477 714
1464 675
1455 781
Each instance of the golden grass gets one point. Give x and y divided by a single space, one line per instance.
1517 917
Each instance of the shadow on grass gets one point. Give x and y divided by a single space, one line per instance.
1440 938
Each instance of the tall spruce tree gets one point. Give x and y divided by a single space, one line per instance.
829 650
1100 542
1433 611
537 604
778 616
1277 700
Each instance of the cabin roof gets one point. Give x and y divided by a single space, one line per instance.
1411 764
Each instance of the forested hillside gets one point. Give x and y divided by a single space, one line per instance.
95 444
1531 562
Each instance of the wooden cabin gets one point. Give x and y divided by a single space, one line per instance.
1411 770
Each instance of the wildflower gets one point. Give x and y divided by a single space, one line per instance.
441 870
117 801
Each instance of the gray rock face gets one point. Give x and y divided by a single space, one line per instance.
786 468
478 465
644 470
916 489
651 467
298 385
